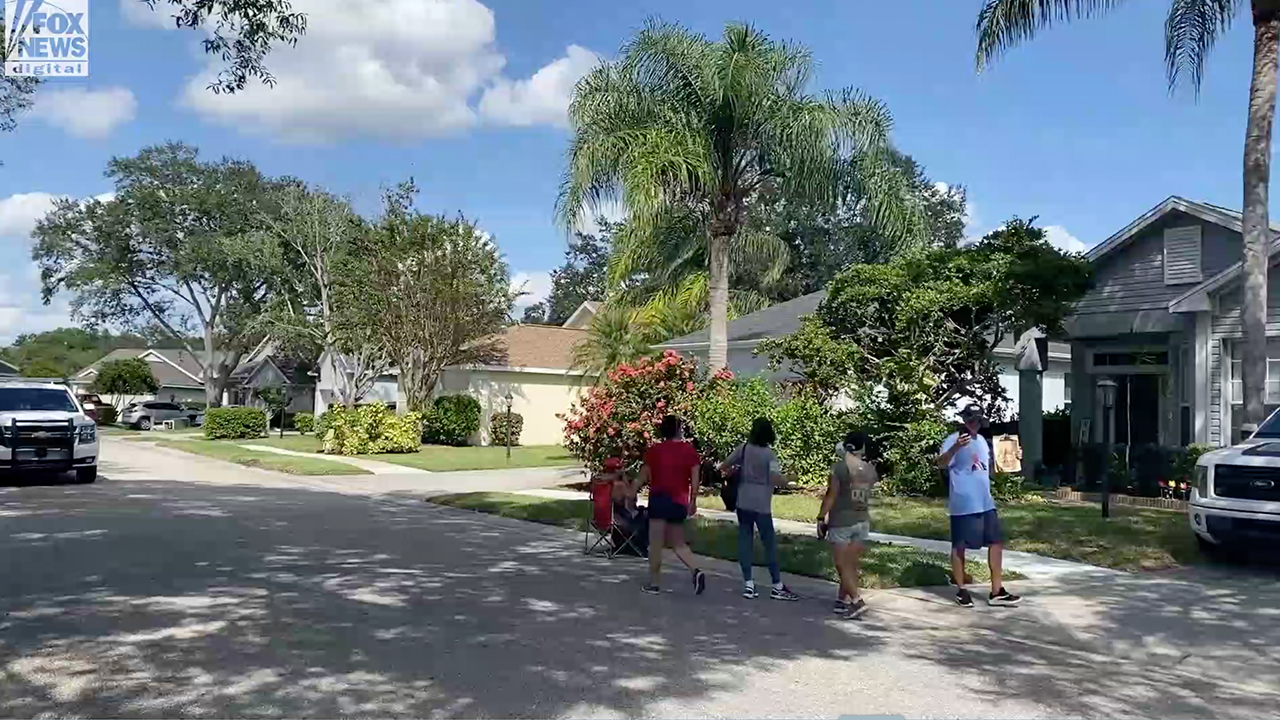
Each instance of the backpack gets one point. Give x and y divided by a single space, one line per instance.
729 492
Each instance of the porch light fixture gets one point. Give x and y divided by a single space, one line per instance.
1108 392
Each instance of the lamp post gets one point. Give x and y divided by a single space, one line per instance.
508 398
1108 387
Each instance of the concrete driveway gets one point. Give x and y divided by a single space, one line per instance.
196 589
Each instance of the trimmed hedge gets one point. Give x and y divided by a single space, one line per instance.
370 430
498 428
107 415
304 422
452 421
234 423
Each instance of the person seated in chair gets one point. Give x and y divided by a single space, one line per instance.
634 518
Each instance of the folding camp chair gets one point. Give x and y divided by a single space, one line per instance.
603 529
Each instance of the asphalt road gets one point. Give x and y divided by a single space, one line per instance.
181 587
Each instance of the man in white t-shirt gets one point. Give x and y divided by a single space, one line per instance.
974 522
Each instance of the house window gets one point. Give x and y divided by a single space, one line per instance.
1182 255
1273 382
1130 359
1236 385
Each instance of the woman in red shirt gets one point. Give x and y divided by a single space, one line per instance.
671 471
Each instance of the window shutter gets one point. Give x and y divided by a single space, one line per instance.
1182 255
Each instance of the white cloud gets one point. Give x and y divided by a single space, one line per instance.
388 69
19 213
86 113
139 14
544 98
1063 240
612 210
535 283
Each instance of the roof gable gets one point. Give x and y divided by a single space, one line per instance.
1207 212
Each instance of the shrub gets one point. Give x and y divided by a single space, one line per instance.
1007 487
498 428
370 430
907 458
325 418
234 423
107 415
619 417
304 422
452 421
807 435
722 414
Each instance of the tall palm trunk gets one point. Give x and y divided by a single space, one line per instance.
718 284
1256 221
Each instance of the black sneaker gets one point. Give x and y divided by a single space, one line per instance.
841 607
651 589
699 582
857 609
783 593
963 598
749 592
1003 598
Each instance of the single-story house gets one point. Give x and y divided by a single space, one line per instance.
8 369
535 367
181 378
1163 322
746 333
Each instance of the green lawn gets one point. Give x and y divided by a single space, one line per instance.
1133 539
117 430
884 566
261 459
440 458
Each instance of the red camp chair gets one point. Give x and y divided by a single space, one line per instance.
602 527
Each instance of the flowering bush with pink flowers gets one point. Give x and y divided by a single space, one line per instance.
620 417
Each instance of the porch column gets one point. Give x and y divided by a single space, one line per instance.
1033 357
1200 368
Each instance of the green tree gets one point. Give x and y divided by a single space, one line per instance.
125 377
617 334
240 32
318 232
687 132
181 246
583 277
1191 30
434 291
63 352
276 400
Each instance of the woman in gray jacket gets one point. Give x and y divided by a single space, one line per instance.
758 472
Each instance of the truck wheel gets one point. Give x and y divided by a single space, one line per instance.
86 476
144 423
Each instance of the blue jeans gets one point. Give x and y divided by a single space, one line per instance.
748 521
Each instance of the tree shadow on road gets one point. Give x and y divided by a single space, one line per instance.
168 599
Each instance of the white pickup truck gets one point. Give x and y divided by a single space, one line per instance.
1235 500
43 429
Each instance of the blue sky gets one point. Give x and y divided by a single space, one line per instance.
467 96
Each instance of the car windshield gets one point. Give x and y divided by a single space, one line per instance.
12 399
1270 428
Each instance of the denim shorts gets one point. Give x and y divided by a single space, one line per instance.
857 532
665 507
976 531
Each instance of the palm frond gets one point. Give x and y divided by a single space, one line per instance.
617 334
1004 24
1190 31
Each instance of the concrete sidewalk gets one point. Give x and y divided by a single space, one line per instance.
376 467
1031 565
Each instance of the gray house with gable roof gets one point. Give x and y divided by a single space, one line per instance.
1163 322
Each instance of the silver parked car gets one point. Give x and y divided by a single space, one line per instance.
144 415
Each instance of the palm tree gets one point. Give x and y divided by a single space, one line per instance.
687 132
1190 32
617 334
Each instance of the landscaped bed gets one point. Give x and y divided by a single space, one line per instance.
442 458
1132 539
884 566
231 452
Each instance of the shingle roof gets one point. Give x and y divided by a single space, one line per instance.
774 321
539 346
165 372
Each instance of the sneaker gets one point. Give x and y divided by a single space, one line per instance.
699 582
857 609
963 598
783 593
841 607
651 589
749 592
1004 598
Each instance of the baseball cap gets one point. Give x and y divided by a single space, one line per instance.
972 411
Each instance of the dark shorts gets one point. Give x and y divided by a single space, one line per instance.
976 531
665 507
